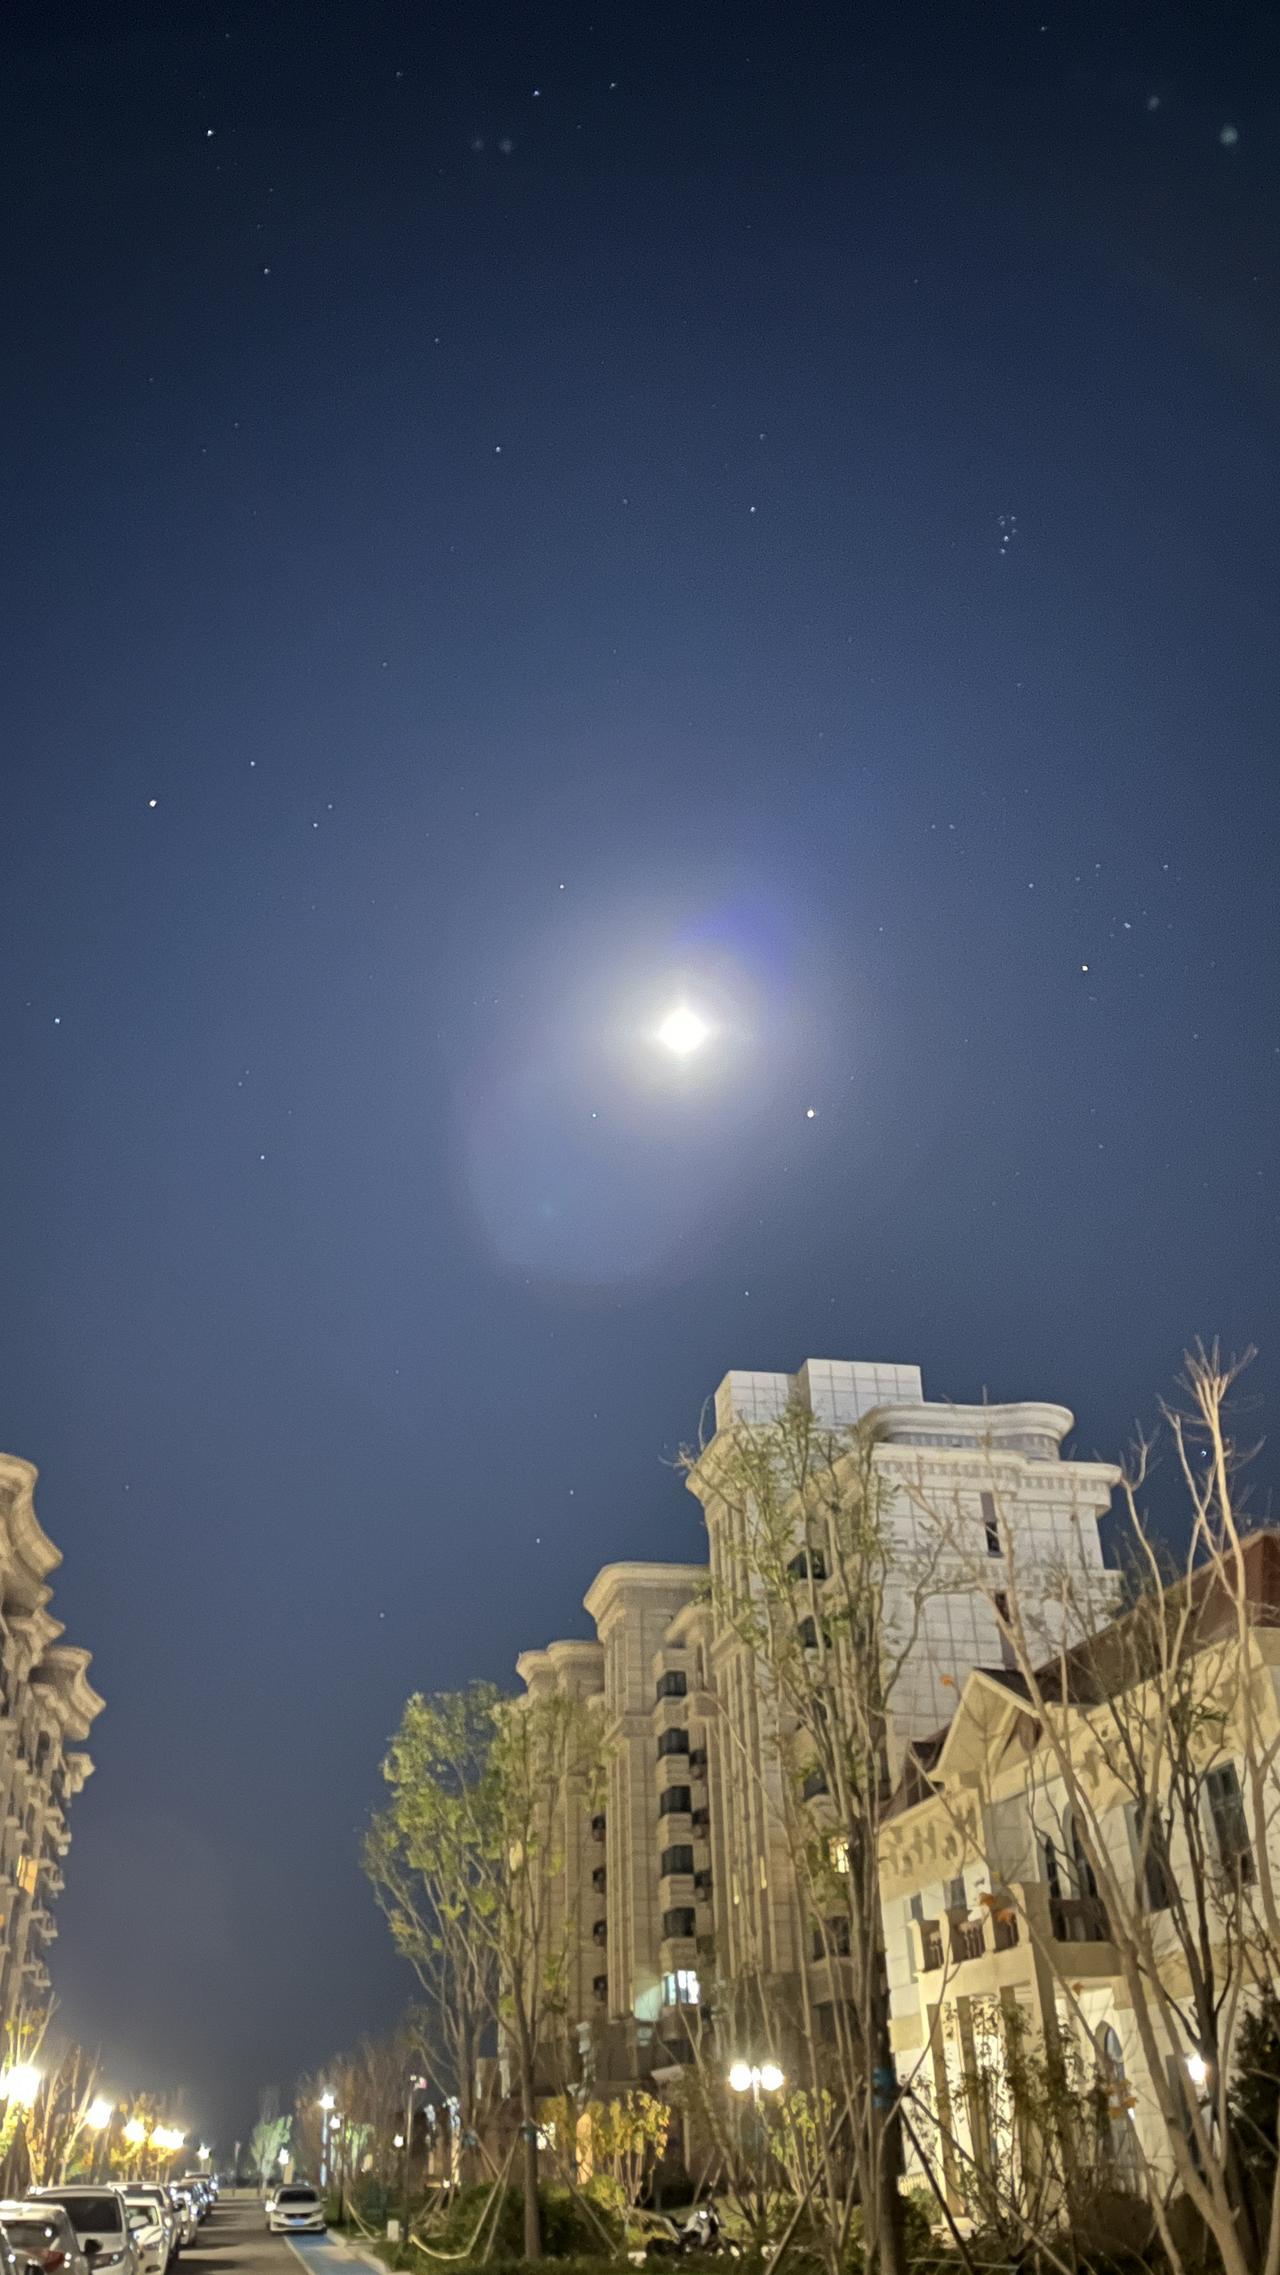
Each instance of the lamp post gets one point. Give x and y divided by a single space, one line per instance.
98 2117
757 2079
326 2104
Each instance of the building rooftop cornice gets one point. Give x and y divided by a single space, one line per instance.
63 1674
617 1580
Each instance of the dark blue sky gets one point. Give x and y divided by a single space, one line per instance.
559 506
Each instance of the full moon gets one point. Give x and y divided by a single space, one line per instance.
682 1031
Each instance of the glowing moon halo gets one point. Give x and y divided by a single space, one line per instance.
683 1031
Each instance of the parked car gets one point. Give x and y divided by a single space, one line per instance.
150 2236
45 2235
296 2210
101 2224
13 2261
184 2213
151 2197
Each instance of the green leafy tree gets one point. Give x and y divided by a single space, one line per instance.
465 1860
424 1854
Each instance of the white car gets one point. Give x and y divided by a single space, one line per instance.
156 2204
295 2209
43 2236
101 2222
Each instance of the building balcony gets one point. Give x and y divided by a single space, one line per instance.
674 1804
1078 1919
1024 1914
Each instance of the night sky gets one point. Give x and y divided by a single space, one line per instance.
518 516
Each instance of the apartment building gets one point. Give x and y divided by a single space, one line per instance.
999 1929
692 1875
47 1707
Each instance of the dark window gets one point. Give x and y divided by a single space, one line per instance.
681 1921
91 2215
600 1932
990 1523
831 1941
297 2196
600 1985
1230 1826
916 1909
673 1742
600 1879
597 1826
808 1633
813 1783
957 1895
673 1684
674 1802
810 1564
1157 1876
1052 1875
1081 1869
679 1859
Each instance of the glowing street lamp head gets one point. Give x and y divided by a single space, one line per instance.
99 2114
135 2132
326 2100
771 2077
740 2077
20 2084
683 1031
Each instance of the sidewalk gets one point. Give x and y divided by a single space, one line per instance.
334 2255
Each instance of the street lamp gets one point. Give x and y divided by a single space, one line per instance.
20 2085
326 2104
756 2078
99 2114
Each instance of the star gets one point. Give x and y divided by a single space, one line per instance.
810 1113
153 803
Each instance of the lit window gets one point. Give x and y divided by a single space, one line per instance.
681 1988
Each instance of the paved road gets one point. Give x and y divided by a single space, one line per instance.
234 2241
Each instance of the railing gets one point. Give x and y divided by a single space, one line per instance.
967 1939
1006 1927
931 1949
1078 1919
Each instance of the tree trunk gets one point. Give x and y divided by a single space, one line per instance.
529 2149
